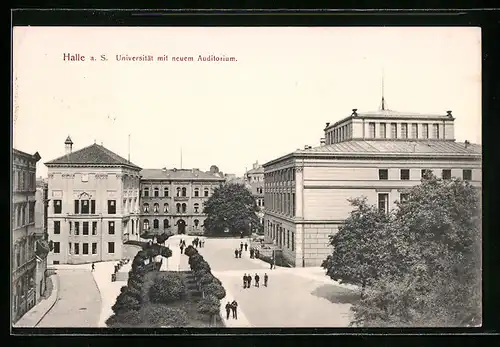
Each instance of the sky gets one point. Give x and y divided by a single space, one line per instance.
275 97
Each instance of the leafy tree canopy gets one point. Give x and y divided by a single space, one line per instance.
231 207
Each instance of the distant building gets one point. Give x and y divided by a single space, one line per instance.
172 200
93 204
28 265
255 179
378 155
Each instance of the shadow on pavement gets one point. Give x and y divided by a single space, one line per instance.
336 294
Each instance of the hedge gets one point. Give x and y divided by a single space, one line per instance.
167 289
165 316
215 289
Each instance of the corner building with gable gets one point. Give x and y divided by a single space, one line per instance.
93 204
378 155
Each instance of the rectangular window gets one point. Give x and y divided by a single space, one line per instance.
55 262
394 130
69 248
405 174
371 130
77 206
383 174
57 206
383 129
92 206
31 212
94 248
57 227
146 192
111 206
404 131
77 228
156 192
446 174
111 247
425 131
403 197
467 175
57 247
383 202
425 173
85 177
94 228
77 248
165 192
293 241
85 207
85 228
70 228
435 131
288 239
111 228
85 248
414 131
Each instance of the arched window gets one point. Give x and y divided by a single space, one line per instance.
156 192
205 192
196 222
165 224
146 191
156 208
156 224
184 191
196 192
165 191
184 208
178 207
146 224
165 208
146 208
178 191
196 208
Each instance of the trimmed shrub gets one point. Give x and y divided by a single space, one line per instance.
126 302
164 316
206 279
124 319
167 289
165 252
209 305
215 289
201 266
190 251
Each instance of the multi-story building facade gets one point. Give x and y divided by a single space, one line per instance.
172 200
93 204
255 179
374 154
28 272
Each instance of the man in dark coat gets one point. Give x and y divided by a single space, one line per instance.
241 246
249 281
265 280
257 278
246 246
228 309
239 253
251 253
245 279
236 253
234 307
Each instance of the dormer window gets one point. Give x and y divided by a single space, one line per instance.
414 131
404 131
382 131
371 130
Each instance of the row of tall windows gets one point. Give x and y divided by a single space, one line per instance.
24 181
75 249
392 128
383 174
283 203
180 192
23 214
283 237
166 224
179 208
84 207
83 228
339 134
279 176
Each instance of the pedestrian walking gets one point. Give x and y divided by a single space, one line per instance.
182 249
228 309
249 280
251 253
256 254
271 263
234 307
93 267
265 280
257 278
239 253
236 252
245 280
241 246
246 246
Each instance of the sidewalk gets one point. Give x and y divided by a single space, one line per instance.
34 316
242 321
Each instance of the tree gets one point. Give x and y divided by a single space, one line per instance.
432 273
162 238
231 207
210 306
215 289
167 289
126 302
360 253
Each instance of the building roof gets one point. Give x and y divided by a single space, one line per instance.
91 155
431 148
391 114
258 170
35 156
179 174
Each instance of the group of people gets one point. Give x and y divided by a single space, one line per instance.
247 280
232 306
198 243
254 253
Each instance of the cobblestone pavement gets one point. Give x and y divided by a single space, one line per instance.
78 304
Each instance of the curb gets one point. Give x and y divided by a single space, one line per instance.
55 292
100 296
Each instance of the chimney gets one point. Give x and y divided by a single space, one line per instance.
68 145
467 143
448 113
322 141
306 147
327 124
354 112
164 169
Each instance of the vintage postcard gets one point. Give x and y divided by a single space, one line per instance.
254 177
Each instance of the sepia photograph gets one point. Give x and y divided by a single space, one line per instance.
246 177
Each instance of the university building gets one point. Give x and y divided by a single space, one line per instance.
378 155
172 200
28 255
93 204
255 179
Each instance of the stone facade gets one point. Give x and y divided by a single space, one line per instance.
307 191
255 181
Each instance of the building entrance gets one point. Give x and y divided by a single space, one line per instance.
181 226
